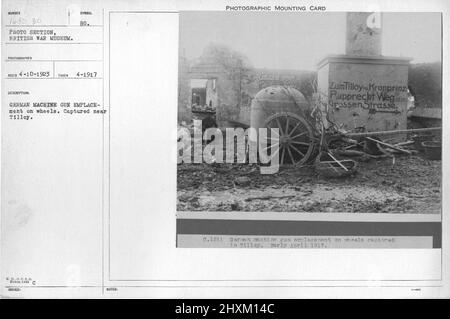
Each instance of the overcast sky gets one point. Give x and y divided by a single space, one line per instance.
300 40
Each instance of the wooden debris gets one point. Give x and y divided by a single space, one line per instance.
337 161
389 145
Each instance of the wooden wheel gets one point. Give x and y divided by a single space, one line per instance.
296 139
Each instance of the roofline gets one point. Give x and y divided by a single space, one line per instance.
360 59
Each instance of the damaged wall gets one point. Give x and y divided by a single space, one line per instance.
236 84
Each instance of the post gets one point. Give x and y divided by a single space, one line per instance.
363 34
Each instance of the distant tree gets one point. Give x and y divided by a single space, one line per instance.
230 59
236 65
308 85
425 84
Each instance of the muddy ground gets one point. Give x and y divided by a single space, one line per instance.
411 185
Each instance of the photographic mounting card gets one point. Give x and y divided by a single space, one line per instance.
190 149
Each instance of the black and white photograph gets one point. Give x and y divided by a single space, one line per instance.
355 97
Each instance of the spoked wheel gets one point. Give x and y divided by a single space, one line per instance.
296 139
